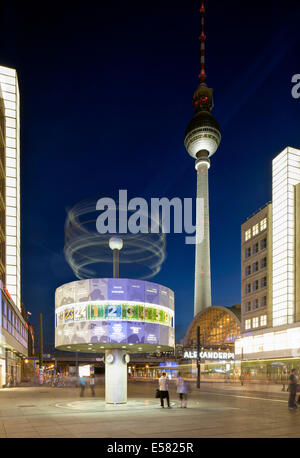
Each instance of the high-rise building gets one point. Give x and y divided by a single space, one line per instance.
202 138
13 327
2 192
271 270
10 95
286 207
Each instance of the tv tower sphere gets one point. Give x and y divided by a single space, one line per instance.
202 134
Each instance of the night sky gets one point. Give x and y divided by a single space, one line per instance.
106 94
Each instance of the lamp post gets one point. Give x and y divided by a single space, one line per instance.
41 348
198 358
115 244
242 374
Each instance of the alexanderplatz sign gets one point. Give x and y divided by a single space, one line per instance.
220 355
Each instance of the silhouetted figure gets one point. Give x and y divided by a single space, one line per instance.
182 390
82 386
293 383
92 384
163 388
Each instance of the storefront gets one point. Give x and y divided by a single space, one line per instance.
275 371
269 355
13 341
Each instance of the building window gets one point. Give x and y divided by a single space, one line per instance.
263 244
247 235
255 322
263 320
263 301
255 304
255 285
248 307
255 248
263 282
263 224
255 266
247 252
255 230
248 270
263 263
248 288
247 324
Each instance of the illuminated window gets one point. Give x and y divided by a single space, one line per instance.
263 244
263 224
263 320
255 266
255 230
263 263
217 327
248 270
247 324
255 248
255 322
247 235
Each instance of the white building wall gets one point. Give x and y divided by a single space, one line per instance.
11 97
285 175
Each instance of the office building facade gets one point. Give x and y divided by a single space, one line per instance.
256 270
13 326
271 350
11 101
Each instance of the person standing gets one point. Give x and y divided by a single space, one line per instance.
182 390
92 384
163 388
293 383
82 386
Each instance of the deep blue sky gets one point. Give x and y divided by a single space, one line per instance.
106 91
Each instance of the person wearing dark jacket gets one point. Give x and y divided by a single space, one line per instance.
293 383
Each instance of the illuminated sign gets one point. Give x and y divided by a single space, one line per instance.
209 355
84 371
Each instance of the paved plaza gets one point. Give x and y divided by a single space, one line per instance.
215 411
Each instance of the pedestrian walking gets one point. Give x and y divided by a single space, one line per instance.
82 386
163 389
293 384
182 390
92 384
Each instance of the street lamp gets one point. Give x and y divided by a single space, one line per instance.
115 244
198 357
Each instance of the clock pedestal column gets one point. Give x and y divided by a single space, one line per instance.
115 377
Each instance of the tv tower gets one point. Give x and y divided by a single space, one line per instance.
201 140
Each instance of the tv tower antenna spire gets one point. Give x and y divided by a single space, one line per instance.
202 38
